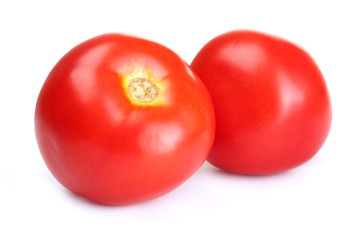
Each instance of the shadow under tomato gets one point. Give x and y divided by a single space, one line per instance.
220 172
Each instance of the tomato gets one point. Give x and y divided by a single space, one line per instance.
271 102
121 120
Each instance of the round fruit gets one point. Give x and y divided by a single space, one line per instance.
271 102
121 120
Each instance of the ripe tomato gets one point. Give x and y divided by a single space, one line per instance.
271 102
121 120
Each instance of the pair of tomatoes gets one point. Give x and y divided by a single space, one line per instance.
121 119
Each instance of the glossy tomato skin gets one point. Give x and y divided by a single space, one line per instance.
271 102
105 145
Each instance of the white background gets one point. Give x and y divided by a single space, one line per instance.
318 200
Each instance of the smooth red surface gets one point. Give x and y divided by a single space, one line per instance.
104 146
271 102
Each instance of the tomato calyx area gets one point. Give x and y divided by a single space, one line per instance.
143 90
143 87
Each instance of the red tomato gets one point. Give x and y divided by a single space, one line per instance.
271 102
121 120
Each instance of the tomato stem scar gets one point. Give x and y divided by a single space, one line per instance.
143 90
